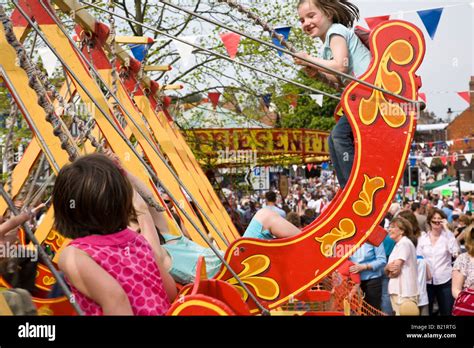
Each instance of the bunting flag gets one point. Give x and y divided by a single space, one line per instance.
267 99
465 96
372 22
413 162
422 96
430 19
139 51
453 159
285 31
309 166
48 59
166 101
185 51
231 42
295 167
325 165
293 99
466 140
468 157
318 98
444 160
422 145
449 142
428 161
214 98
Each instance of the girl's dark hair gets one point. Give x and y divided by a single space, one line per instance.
341 11
432 213
91 196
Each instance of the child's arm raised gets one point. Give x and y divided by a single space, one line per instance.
94 282
19 219
340 61
148 230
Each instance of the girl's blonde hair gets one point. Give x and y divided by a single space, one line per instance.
341 11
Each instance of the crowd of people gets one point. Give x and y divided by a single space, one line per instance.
426 260
120 243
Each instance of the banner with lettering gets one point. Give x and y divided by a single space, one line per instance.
261 142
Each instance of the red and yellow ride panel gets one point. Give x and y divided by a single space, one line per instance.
276 271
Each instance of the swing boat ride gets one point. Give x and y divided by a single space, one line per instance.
290 276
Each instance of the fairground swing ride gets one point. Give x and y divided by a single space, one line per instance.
298 275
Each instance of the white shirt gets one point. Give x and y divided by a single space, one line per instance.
406 284
439 256
316 205
422 272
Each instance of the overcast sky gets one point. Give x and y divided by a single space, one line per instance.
449 59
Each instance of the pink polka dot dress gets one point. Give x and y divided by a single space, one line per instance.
128 257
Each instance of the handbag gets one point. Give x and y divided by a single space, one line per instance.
464 304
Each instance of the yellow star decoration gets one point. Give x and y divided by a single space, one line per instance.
265 288
399 52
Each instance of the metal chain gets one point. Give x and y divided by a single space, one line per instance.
9 153
35 84
281 39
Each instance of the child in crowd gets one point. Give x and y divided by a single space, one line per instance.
179 255
112 270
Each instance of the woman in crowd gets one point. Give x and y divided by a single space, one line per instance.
424 274
402 267
439 247
369 262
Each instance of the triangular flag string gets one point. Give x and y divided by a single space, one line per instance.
231 42
48 59
318 98
430 19
214 98
427 161
422 96
464 95
372 22
267 99
185 51
139 51
468 157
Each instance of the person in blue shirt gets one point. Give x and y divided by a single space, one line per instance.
369 262
331 22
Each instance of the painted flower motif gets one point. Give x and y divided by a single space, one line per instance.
365 204
265 288
400 52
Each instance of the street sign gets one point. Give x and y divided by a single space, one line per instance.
260 178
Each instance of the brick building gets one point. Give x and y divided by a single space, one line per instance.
462 127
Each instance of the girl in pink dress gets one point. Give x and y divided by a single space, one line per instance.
111 269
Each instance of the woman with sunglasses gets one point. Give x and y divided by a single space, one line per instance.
439 247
